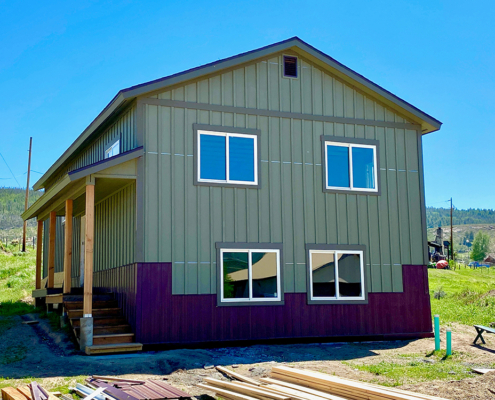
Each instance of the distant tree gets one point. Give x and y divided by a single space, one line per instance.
481 244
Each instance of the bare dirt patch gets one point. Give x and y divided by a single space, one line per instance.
52 358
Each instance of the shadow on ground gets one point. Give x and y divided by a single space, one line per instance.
39 351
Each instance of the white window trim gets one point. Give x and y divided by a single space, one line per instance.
351 178
250 281
336 253
110 150
227 158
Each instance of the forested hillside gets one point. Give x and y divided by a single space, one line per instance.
11 208
441 216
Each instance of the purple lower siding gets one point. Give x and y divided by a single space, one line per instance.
121 281
159 317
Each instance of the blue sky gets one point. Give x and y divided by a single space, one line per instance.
61 62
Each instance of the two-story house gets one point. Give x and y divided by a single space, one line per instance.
276 194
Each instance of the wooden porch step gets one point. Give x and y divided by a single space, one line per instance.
113 348
101 321
78 305
98 312
107 330
96 297
113 339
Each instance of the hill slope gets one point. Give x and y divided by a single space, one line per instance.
436 217
11 208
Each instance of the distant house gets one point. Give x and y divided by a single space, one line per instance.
490 259
276 194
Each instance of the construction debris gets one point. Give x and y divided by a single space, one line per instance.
295 384
129 389
101 388
30 392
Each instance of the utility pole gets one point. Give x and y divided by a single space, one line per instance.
451 232
26 202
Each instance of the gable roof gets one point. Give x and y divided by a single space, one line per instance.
125 96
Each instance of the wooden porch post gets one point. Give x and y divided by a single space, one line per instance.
68 247
88 251
39 247
51 249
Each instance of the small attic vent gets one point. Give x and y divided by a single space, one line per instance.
290 67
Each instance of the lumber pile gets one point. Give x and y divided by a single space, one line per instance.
287 383
101 388
32 391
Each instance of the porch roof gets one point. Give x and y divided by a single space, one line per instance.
73 184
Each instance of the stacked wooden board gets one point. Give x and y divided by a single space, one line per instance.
32 391
287 383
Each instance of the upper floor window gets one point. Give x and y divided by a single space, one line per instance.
113 150
226 158
351 166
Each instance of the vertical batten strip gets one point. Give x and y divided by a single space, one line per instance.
51 249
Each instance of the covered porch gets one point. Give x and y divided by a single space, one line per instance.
86 225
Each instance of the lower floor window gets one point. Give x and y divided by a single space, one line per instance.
250 275
336 275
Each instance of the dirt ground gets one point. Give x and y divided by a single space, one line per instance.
36 351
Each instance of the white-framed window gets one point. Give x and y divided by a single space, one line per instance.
336 275
250 275
113 150
351 166
230 158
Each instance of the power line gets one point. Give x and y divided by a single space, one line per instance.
10 170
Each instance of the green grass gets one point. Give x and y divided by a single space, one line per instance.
467 299
413 368
412 371
61 384
17 271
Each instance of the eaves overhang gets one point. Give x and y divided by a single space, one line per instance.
427 122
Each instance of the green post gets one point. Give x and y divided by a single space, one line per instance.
449 342
437 332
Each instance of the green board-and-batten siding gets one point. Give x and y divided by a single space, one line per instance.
115 225
123 128
182 222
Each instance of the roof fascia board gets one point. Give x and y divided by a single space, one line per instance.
43 200
104 164
113 106
370 88
323 60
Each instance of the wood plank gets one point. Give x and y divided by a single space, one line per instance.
254 391
482 370
300 388
35 392
39 249
10 393
52 231
294 392
54 299
110 378
237 376
25 391
113 348
226 393
271 390
88 249
352 389
68 246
